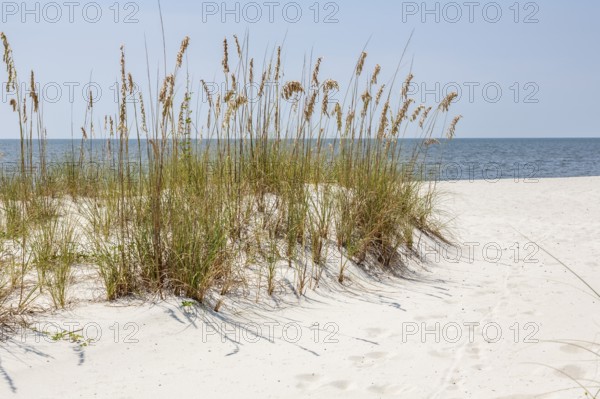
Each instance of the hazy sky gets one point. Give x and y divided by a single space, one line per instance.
524 69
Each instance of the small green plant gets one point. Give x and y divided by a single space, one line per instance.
70 336
187 304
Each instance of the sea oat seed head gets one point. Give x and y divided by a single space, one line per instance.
375 74
361 63
225 61
130 82
406 85
445 104
291 88
277 64
424 117
452 128
379 94
338 115
416 112
310 106
184 45
315 74
33 94
237 46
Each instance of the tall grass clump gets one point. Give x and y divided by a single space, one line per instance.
269 174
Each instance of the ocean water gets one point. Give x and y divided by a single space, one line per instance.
522 159
459 159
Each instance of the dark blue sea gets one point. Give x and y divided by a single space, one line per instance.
458 159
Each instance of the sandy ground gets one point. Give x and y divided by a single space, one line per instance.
476 327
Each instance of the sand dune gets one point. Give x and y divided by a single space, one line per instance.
468 326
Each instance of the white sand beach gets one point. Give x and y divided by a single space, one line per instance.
479 327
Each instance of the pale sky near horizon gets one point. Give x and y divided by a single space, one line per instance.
523 69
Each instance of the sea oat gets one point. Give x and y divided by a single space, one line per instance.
325 104
404 110
228 95
349 120
263 82
112 126
445 104
366 99
33 94
207 92
130 83
310 106
338 114
277 65
406 85
225 61
232 106
143 112
10 64
361 63
424 117
383 121
315 74
328 85
218 107
400 117
166 94
416 112
291 88
184 45
452 128
237 46
375 74
379 94
123 103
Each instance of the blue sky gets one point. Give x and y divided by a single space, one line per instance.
524 69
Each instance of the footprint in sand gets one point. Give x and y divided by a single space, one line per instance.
570 349
374 332
368 359
435 353
306 380
342 385
573 371
376 355
385 389
308 377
